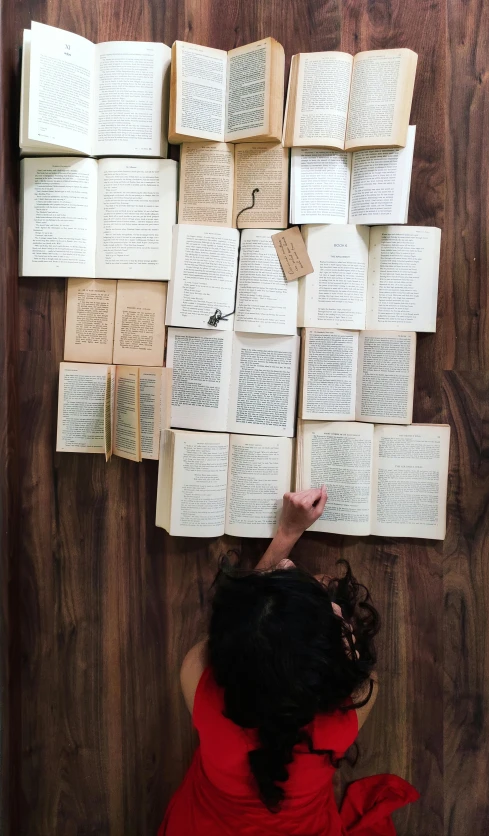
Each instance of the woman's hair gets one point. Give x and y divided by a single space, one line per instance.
282 656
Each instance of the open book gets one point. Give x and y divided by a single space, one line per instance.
345 103
240 383
108 219
362 376
95 99
382 279
389 481
115 410
115 322
217 180
203 275
340 187
266 303
212 483
232 96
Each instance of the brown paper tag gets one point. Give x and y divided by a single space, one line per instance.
292 253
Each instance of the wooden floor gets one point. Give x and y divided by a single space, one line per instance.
99 606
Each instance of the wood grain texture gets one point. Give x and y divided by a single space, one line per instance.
98 607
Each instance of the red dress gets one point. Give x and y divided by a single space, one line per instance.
218 796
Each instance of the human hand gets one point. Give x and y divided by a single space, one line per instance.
300 510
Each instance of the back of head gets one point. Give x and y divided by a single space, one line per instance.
282 656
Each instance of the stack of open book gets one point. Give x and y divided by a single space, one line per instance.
183 340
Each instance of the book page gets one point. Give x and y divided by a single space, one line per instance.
109 411
204 265
206 183
319 186
59 206
89 324
329 375
380 100
263 384
165 397
380 184
263 166
139 335
339 455
403 278
130 81
127 427
137 202
150 410
61 88
335 295
81 405
410 481
265 302
248 90
385 384
198 502
200 91
259 473
201 365
323 90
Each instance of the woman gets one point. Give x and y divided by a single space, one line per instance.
278 692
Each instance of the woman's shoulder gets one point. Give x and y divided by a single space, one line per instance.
336 730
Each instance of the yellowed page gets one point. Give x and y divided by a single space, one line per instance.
139 335
323 90
248 91
339 455
199 91
108 411
89 325
127 426
263 166
206 183
81 408
259 473
150 410
410 481
385 380
329 374
380 101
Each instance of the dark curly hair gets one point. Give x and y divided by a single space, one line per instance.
282 656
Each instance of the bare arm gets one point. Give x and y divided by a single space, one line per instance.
300 510
364 711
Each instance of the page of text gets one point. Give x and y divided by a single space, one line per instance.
136 211
339 456
329 377
201 365
59 212
139 335
203 276
323 91
266 302
385 387
129 88
206 183
263 166
127 429
258 476
380 184
319 186
150 411
81 403
410 481
335 295
201 91
89 325
61 88
248 85
263 384
200 465
403 278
